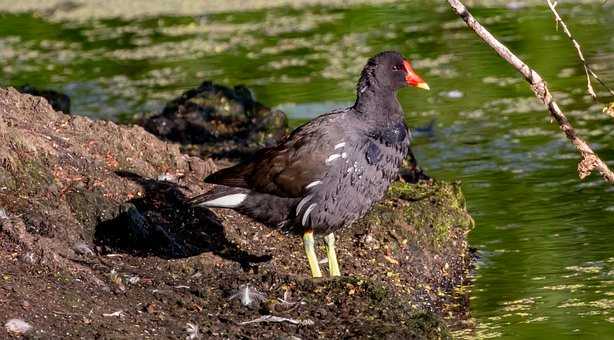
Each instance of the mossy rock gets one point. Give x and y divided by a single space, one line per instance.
432 208
217 121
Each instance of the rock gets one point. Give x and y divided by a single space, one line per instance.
420 230
59 101
17 326
216 121
66 175
69 182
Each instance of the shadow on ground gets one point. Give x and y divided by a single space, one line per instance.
160 223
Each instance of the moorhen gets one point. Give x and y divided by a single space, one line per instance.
328 172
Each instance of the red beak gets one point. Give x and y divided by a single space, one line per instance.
412 78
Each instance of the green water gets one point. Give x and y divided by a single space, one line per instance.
545 239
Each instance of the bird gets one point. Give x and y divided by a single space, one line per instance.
327 173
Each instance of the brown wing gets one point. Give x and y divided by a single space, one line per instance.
286 169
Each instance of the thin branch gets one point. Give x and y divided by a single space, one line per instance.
587 69
590 161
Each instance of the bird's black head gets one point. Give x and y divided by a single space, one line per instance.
389 71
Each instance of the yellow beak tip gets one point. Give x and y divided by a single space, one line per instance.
423 86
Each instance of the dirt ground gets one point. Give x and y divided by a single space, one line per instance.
97 242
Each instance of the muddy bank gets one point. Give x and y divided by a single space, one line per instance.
96 242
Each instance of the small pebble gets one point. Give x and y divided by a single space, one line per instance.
17 326
368 238
29 258
133 279
83 249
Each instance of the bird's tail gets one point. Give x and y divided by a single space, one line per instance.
270 210
220 197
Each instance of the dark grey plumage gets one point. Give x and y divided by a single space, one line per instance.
330 171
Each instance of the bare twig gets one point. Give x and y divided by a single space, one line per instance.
587 69
590 161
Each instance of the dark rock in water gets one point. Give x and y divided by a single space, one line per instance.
59 101
217 121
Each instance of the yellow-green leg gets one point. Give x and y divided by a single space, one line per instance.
333 265
311 254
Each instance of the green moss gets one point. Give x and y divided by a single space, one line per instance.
6 179
34 174
412 192
89 208
373 295
427 325
433 209
375 292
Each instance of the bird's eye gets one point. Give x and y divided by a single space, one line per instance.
396 67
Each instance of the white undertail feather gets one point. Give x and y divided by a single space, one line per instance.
228 201
306 214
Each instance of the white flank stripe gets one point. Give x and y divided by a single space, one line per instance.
344 155
312 184
306 214
302 203
340 145
332 157
228 201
